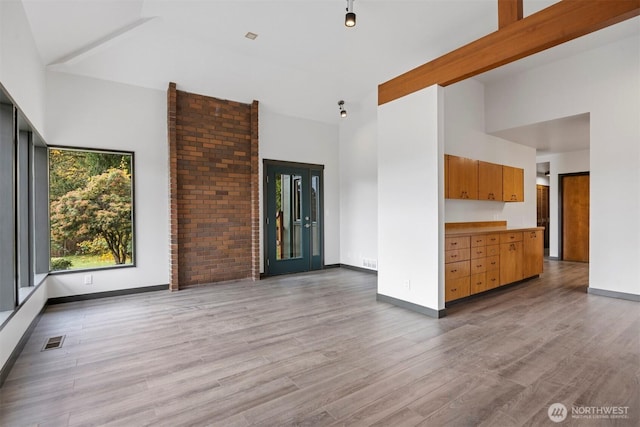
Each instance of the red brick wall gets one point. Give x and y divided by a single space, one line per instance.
214 188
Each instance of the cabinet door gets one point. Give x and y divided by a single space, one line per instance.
489 181
512 184
456 288
533 253
446 176
478 283
510 262
463 178
493 278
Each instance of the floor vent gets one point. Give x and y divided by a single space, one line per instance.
53 343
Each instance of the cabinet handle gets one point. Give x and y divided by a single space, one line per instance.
454 289
479 283
454 243
454 256
453 271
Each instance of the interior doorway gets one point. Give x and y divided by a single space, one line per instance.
574 205
293 217
542 211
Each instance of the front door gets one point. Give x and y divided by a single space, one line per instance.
293 217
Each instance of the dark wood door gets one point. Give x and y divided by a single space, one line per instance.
543 210
575 217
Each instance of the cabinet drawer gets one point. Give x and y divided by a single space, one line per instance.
479 252
531 234
456 255
456 288
478 240
493 250
493 262
456 270
478 265
451 243
493 278
493 239
478 283
511 237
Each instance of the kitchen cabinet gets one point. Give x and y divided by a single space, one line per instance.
478 180
512 184
511 258
533 253
462 178
489 181
457 267
477 261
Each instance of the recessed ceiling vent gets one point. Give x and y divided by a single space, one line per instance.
53 343
251 36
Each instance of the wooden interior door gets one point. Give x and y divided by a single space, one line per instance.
575 217
543 210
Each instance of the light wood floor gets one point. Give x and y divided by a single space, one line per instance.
317 349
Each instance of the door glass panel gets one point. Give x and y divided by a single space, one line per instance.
315 219
288 216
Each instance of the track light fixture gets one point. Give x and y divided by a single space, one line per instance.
343 112
350 17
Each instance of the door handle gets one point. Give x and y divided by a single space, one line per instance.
307 225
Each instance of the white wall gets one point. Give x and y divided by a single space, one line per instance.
21 70
22 75
13 331
359 185
90 113
575 161
305 141
606 83
410 190
465 136
542 180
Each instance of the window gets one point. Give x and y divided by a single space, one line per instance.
24 221
91 208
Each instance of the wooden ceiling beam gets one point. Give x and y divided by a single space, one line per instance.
559 23
509 11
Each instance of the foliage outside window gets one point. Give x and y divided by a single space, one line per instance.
90 195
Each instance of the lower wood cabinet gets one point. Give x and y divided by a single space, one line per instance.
511 257
479 262
533 252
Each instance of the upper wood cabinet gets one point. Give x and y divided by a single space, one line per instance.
446 176
489 181
462 178
512 184
477 180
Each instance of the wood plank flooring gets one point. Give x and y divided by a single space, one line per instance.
318 350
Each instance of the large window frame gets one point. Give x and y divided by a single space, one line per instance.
131 154
24 214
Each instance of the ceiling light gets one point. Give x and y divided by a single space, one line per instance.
350 17
343 112
251 36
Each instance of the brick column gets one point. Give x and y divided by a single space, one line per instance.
173 187
255 194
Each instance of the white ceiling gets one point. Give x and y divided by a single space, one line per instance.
303 61
554 136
